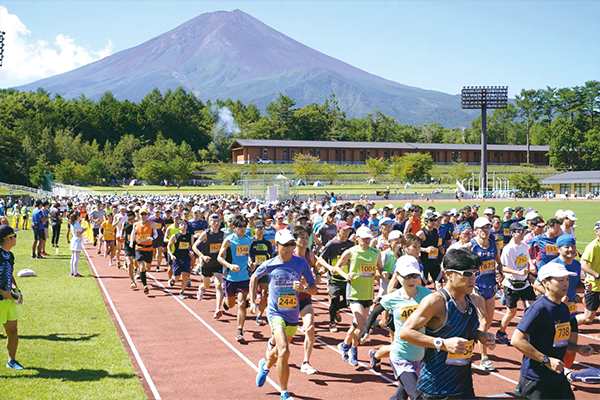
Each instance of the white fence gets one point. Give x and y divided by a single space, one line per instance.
58 189
25 189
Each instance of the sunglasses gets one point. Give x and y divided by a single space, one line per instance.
143 213
290 244
411 276
518 231
465 274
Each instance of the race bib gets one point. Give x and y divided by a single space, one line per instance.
455 235
367 270
488 265
241 251
215 247
287 302
521 262
551 249
500 244
184 245
463 358
158 226
562 332
434 254
506 231
260 259
272 241
144 238
572 307
439 242
407 311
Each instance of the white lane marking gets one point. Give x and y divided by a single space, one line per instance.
496 374
217 334
125 332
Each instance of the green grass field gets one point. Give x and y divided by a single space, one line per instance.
68 342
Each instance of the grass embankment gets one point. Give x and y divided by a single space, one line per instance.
68 342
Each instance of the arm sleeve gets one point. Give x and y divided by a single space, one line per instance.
261 270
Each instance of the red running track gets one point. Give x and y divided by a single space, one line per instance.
180 352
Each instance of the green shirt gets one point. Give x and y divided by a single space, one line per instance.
363 264
389 260
591 255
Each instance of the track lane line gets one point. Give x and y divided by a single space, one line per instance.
134 350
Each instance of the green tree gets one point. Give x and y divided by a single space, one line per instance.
179 169
97 170
376 167
528 183
227 173
330 172
154 171
527 102
65 172
37 173
305 165
565 148
459 171
412 167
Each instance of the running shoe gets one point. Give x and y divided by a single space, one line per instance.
137 276
218 314
333 328
14 364
133 285
182 296
110 263
269 348
261 377
260 321
353 356
200 295
502 338
343 348
375 362
487 364
338 317
285 396
171 282
77 276
307 369
146 290
33 256
157 268
189 284
56 251
240 335
40 257
197 271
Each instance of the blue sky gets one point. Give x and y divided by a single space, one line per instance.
438 45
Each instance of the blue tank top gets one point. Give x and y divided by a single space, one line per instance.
548 248
446 374
487 270
240 250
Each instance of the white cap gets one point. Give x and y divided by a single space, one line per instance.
488 211
570 215
531 215
453 211
364 232
508 209
481 222
390 206
554 270
329 212
373 212
195 209
284 236
407 206
407 265
559 214
394 235
385 220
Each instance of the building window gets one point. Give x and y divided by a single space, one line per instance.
337 155
319 153
266 153
368 153
386 154
536 156
595 189
580 189
285 155
453 155
292 154
343 155
475 156
496 157
501 157
362 155
565 188
460 155
312 152
516 158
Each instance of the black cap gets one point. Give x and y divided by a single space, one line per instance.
5 230
301 216
38 202
518 208
516 226
259 224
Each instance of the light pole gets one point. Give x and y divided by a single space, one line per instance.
484 97
1 46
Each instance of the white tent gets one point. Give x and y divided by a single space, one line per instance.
317 184
281 177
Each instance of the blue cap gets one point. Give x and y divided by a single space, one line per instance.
465 226
564 240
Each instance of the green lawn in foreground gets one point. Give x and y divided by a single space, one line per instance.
588 212
68 343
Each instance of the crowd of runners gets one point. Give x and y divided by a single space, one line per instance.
431 277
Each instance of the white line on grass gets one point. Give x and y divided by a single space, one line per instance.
217 334
125 332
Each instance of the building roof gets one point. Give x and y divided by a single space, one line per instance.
574 177
237 143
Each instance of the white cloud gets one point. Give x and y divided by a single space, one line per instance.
27 61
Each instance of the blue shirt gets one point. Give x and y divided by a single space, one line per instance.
36 219
487 270
374 226
195 226
283 299
540 321
547 246
359 222
240 254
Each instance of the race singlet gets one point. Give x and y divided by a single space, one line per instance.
367 270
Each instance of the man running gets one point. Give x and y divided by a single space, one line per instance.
449 317
590 264
285 273
159 224
142 236
260 251
179 251
128 249
211 241
430 250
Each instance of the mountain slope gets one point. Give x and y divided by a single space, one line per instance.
233 55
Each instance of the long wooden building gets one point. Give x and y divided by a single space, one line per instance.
245 151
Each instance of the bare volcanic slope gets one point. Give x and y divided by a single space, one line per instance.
234 55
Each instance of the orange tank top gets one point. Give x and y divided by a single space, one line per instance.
415 225
143 236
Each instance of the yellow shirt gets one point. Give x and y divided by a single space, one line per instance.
591 255
109 230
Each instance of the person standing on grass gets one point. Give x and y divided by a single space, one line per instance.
179 248
590 264
9 298
449 317
37 225
76 242
56 221
285 275
544 335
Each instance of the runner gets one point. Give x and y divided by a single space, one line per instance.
450 320
544 335
336 284
108 231
120 220
590 264
128 249
465 234
142 236
545 244
363 263
180 257
76 242
430 250
260 251
486 284
211 241
413 225
285 272
237 278
517 266
159 224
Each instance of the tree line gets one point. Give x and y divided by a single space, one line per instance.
166 135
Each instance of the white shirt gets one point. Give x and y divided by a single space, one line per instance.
515 256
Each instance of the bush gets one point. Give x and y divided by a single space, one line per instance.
525 182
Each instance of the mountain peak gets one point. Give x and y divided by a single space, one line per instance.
231 54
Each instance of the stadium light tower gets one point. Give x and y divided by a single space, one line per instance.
484 97
1 46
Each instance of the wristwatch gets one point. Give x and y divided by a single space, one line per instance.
545 360
438 343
